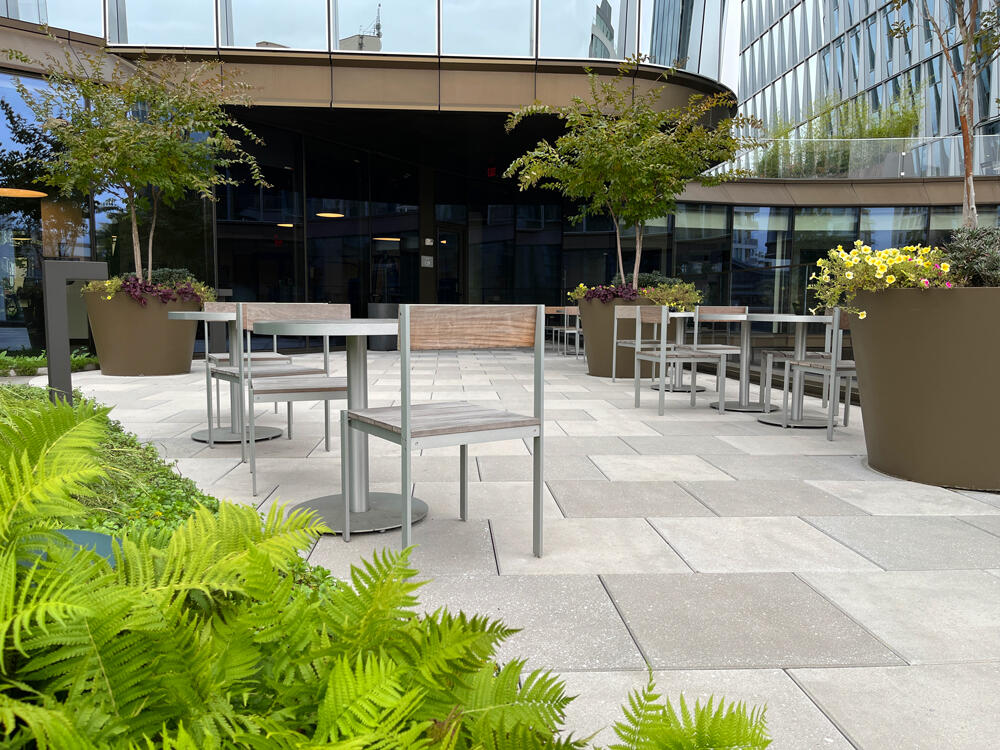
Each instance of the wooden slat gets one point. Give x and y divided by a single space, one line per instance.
261 311
722 310
298 384
268 371
445 418
554 310
472 326
824 364
651 314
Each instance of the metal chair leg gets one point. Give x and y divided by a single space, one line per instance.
463 482
405 493
218 404
536 495
345 478
765 384
722 384
253 447
832 404
847 401
784 396
208 393
638 383
663 387
694 381
614 350
289 420
326 425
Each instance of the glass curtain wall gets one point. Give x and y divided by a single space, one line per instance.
761 257
703 242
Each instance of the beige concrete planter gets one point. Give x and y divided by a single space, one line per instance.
597 319
132 339
927 372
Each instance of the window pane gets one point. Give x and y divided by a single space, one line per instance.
407 26
884 227
760 258
585 28
500 28
263 23
178 23
84 16
703 249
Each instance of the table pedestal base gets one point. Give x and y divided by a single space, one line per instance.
384 512
737 406
225 435
686 388
774 418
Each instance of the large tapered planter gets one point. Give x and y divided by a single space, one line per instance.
597 319
928 366
134 339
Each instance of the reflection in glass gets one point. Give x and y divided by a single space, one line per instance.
587 28
500 28
883 227
386 26
817 230
189 23
84 16
703 249
264 23
760 258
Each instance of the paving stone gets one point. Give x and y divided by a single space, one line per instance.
740 620
756 545
603 499
604 427
710 427
925 616
897 498
793 467
656 468
149 431
443 548
702 445
567 622
768 497
916 542
519 468
204 471
987 523
563 445
486 500
808 444
584 546
793 720
953 706
424 468
990 498
498 448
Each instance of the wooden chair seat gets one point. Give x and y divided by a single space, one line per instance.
268 371
843 366
223 358
270 386
684 354
444 418
780 355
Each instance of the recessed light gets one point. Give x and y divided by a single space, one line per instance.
386 239
8 192
287 226
329 215
444 242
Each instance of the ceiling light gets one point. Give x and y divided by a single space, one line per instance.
287 226
8 192
329 215
444 242
386 239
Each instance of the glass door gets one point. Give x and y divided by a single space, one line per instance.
450 264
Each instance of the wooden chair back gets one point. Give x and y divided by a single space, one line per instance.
649 313
626 312
555 310
717 314
254 311
471 326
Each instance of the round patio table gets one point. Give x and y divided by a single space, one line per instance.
370 511
223 435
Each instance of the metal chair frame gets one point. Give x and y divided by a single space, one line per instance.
628 312
409 443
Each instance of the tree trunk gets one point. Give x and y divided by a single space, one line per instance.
136 248
149 246
638 254
618 243
970 217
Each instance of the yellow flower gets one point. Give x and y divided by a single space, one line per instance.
862 315
923 250
866 249
849 274
889 279
945 267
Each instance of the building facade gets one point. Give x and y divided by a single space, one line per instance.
385 150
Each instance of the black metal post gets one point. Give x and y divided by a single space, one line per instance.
55 274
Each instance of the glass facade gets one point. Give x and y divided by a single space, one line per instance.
796 53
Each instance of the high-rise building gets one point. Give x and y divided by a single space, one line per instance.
797 55
602 33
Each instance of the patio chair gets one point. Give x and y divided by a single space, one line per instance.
833 370
573 329
288 389
716 314
667 355
417 426
555 329
770 357
629 312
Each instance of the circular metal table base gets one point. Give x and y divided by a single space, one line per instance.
812 423
227 436
736 406
384 512
677 388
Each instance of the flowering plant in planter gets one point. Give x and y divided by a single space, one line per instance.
672 292
844 273
167 285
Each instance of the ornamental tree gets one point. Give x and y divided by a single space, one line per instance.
622 155
968 32
147 132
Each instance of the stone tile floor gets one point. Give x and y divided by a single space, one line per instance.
728 556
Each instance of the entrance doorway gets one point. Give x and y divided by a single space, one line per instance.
450 264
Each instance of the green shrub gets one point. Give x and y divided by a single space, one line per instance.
649 278
975 255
